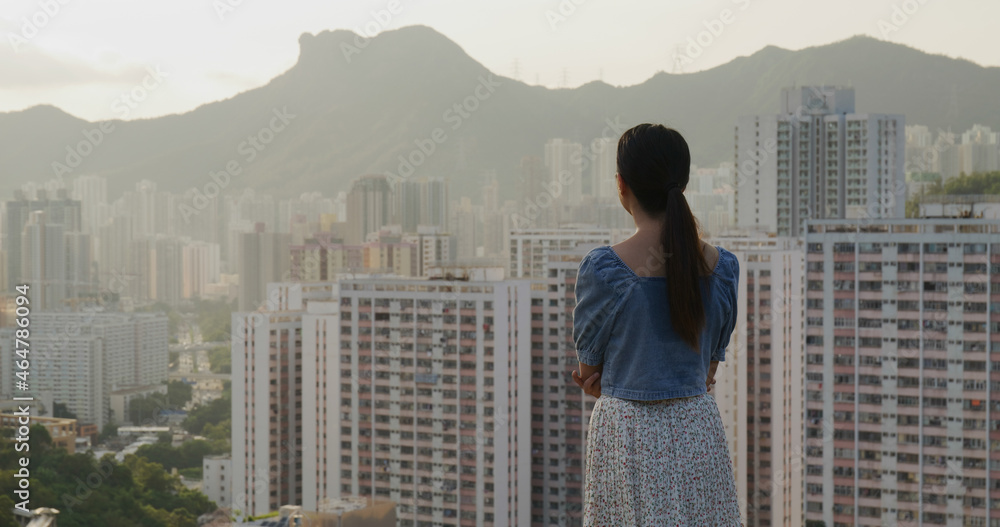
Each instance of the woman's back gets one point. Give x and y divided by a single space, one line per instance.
622 321
656 446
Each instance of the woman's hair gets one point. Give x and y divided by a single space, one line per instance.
655 163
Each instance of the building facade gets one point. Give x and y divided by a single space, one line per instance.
217 479
902 389
763 376
818 159
81 357
529 248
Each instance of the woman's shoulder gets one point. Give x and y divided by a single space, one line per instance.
728 266
602 256
604 264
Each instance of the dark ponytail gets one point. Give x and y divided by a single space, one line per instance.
655 162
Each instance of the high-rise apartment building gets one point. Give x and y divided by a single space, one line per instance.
369 205
466 220
92 193
534 204
81 357
980 150
422 201
761 387
167 269
201 267
604 166
404 389
432 411
267 420
564 163
264 258
529 248
818 159
153 211
560 411
59 210
902 394
43 261
435 246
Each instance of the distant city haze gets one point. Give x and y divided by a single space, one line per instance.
81 56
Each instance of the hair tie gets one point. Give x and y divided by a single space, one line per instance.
672 186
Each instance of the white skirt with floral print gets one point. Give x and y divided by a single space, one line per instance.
659 463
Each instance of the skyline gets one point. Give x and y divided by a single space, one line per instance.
81 60
269 259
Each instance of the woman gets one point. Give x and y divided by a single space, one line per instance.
652 321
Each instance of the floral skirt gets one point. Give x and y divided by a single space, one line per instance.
659 463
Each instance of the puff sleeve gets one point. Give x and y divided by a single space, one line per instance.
731 288
597 303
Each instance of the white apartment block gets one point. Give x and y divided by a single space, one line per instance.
405 389
427 406
603 155
560 411
217 479
267 415
529 248
818 159
902 390
760 386
202 266
564 163
79 358
435 246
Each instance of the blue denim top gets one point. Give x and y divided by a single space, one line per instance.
622 320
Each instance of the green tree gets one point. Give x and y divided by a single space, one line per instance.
976 183
149 475
102 492
216 411
6 516
146 409
60 410
110 430
178 393
40 440
221 359
218 432
188 455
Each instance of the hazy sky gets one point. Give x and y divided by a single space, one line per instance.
84 55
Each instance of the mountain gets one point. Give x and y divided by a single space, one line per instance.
352 107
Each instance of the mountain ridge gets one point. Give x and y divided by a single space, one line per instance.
358 109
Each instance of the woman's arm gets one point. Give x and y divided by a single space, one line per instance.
592 374
712 367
